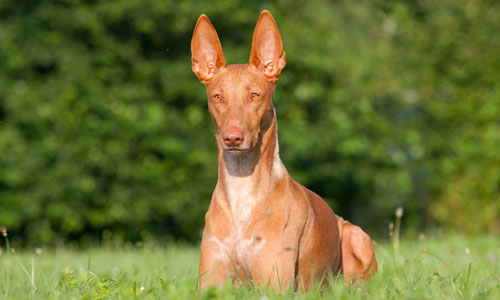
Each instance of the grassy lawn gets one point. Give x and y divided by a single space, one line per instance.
451 267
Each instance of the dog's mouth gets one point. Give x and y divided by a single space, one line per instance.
237 150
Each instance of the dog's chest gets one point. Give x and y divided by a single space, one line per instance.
241 248
243 245
242 199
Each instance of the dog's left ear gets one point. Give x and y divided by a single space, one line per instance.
267 49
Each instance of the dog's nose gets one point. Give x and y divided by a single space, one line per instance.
233 136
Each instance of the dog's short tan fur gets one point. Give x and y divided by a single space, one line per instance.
261 225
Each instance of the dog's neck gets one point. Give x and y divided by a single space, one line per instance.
248 177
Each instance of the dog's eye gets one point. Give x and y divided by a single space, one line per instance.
254 96
217 98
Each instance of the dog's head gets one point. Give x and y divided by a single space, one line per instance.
239 96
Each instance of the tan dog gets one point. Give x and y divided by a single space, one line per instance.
261 224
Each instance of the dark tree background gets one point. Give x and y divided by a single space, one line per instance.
382 104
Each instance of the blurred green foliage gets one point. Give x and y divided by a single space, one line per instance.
382 104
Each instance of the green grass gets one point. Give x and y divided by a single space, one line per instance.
451 267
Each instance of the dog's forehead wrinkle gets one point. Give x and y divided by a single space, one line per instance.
234 76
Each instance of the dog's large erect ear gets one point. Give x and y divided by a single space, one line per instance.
206 52
267 49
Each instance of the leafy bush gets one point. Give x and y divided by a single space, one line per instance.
382 104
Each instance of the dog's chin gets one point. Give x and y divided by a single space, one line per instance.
237 151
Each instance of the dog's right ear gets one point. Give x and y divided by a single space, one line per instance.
206 52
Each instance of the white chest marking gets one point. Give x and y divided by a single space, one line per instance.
237 250
242 199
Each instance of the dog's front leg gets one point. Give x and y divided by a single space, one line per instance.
216 260
215 263
274 267
275 262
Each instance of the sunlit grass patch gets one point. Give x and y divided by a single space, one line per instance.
447 267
